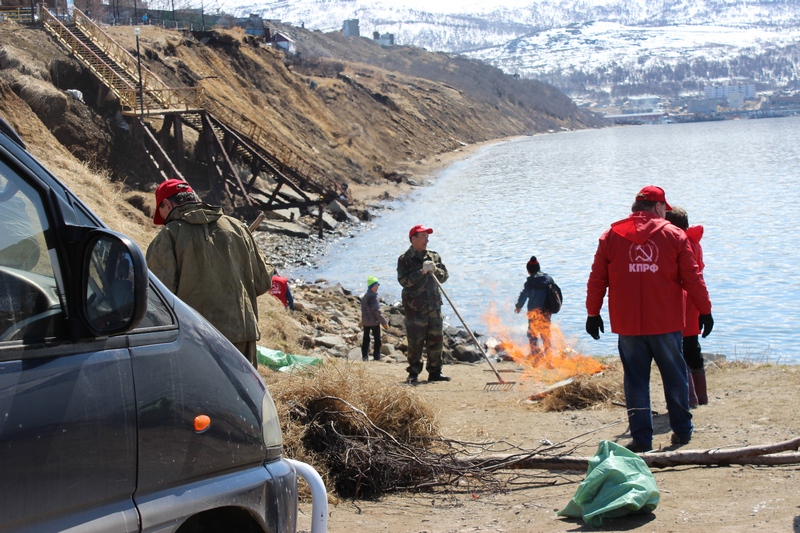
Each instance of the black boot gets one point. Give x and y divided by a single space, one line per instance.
699 377
437 375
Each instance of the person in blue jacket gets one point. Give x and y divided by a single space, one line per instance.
535 292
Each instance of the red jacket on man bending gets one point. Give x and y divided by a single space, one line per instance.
694 233
279 288
646 263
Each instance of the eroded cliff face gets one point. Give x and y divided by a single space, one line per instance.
361 112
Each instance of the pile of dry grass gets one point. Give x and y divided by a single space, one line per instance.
588 391
365 437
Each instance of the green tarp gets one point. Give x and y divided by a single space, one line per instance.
284 362
618 483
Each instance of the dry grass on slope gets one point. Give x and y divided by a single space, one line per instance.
106 198
279 330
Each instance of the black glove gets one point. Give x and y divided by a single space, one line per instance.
706 324
594 325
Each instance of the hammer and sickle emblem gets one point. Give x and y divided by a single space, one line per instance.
644 253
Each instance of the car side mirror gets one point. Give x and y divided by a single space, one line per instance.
114 283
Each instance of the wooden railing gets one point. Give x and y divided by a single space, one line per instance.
17 14
156 95
174 99
284 156
118 84
154 101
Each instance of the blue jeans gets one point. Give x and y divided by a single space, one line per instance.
637 354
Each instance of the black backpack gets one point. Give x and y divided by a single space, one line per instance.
553 299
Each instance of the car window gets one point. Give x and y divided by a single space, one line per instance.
158 314
30 306
84 219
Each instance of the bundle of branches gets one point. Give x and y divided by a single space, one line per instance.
367 437
364 436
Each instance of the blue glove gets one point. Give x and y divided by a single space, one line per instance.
594 325
706 323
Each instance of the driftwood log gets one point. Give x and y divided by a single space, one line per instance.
747 455
365 460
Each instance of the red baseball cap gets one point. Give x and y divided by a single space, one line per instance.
419 228
168 189
651 193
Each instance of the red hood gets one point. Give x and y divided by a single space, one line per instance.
639 226
695 233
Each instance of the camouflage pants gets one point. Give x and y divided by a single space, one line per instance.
424 331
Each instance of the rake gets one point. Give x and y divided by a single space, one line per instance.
500 384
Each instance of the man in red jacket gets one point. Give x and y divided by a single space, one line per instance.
646 263
280 290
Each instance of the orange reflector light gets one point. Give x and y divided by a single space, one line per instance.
201 423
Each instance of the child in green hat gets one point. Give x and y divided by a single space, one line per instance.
372 319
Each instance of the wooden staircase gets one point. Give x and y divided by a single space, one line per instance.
118 70
228 136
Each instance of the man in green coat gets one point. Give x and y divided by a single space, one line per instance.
211 262
422 303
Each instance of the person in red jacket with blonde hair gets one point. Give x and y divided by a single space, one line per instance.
645 263
692 353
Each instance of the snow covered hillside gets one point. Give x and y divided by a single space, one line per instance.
581 46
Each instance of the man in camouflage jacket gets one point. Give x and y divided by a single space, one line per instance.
422 302
211 262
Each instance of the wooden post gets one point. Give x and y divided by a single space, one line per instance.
179 151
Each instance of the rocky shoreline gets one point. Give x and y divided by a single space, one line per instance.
293 244
330 318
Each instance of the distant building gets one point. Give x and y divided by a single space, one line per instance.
644 101
735 100
782 103
652 117
283 42
705 106
723 91
387 39
350 28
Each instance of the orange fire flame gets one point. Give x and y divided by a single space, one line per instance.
550 363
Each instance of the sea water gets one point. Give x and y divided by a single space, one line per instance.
553 195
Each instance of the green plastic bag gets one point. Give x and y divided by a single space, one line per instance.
285 362
618 483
